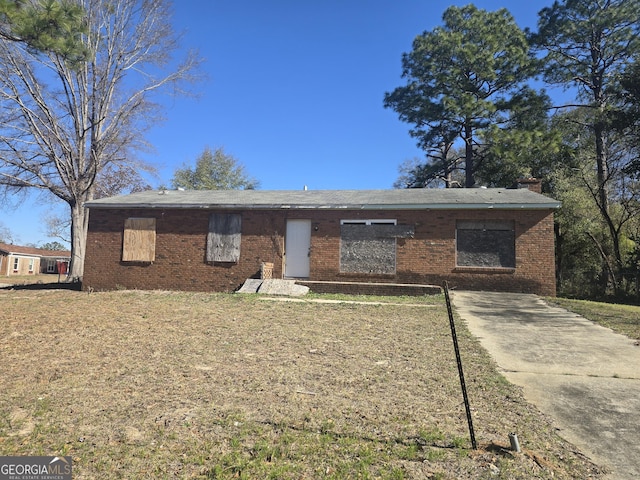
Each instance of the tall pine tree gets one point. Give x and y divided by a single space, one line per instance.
461 79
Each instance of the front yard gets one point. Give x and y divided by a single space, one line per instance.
151 385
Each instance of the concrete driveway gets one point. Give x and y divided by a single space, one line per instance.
583 375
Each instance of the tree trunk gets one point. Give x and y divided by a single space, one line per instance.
602 166
79 224
447 179
559 255
608 271
469 180
602 169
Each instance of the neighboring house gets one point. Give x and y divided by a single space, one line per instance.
493 239
17 260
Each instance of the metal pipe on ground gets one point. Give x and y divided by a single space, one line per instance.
445 287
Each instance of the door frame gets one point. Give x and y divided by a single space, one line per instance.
302 269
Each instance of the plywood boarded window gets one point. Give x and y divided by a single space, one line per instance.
488 244
369 246
223 240
139 242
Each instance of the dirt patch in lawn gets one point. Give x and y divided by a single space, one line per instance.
173 385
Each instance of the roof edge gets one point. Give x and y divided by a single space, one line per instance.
430 206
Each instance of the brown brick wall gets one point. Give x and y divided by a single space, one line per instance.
427 258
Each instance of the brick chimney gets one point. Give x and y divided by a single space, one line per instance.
533 184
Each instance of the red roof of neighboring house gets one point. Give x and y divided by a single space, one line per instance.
33 252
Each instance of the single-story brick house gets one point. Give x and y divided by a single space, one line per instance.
18 260
484 238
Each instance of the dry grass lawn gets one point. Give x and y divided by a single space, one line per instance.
623 319
152 385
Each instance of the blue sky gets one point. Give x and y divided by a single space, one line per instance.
294 91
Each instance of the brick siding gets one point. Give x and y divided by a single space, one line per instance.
429 258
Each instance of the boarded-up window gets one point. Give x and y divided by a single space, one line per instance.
369 246
485 244
223 241
139 242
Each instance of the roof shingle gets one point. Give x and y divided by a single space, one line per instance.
477 198
31 251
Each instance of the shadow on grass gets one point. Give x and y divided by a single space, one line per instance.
497 449
407 442
76 286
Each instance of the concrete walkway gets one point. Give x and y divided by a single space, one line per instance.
584 376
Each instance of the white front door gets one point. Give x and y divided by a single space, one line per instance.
297 248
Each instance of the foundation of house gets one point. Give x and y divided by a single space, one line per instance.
371 288
301 287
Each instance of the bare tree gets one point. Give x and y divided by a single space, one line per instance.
62 124
57 226
5 234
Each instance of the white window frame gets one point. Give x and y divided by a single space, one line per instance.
387 221
16 264
32 263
